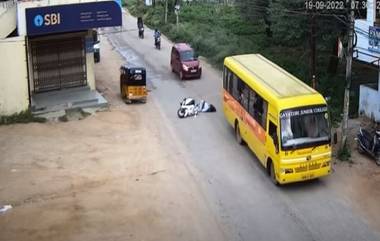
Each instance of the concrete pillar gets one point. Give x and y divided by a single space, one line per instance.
371 12
90 70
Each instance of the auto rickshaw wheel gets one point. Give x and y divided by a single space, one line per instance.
121 91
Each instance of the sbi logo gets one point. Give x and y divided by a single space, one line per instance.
47 19
38 21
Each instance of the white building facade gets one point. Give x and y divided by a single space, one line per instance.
51 50
367 50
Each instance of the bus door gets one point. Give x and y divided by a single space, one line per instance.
272 141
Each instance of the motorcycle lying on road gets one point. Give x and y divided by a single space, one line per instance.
369 143
188 107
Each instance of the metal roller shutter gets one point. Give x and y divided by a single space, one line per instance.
58 63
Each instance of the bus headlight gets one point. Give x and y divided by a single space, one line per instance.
326 164
286 170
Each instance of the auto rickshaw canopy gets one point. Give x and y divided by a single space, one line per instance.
133 76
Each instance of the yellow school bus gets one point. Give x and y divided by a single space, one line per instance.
280 118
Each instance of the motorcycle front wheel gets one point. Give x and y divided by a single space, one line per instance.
360 148
181 113
377 159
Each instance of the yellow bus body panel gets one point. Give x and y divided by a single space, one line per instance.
282 91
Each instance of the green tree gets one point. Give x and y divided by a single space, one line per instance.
289 23
254 10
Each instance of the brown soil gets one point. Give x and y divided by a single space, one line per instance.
359 178
107 177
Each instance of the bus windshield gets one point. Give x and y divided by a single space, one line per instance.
304 127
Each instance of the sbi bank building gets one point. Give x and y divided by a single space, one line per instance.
47 48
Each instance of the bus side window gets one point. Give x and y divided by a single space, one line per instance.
230 81
273 134
252 100
263 114
235 87
244 96
260 111
225 80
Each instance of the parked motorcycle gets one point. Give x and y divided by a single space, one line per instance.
369 143
157 42
187 108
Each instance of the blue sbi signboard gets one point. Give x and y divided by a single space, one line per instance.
72 17
374 39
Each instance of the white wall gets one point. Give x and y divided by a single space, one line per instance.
371 11
362 30
14 95
7 18
369 103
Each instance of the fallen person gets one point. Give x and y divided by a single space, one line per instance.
188 107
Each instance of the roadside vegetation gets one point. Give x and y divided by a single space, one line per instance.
22 117
279 30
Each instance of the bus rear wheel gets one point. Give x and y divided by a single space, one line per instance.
238 137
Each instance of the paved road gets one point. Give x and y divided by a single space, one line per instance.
245 202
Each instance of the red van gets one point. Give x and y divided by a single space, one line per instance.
184 62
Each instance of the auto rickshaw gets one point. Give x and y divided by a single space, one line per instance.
133 84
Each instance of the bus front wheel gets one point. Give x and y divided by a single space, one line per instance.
238 137
272 173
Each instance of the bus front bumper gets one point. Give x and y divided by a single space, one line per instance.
284 178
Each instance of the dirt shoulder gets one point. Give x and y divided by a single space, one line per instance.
112 176
359 179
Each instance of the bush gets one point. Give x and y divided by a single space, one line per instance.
344 154
22 117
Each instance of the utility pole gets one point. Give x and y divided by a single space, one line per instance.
177 19
346 103
166 11
313 50
176 11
